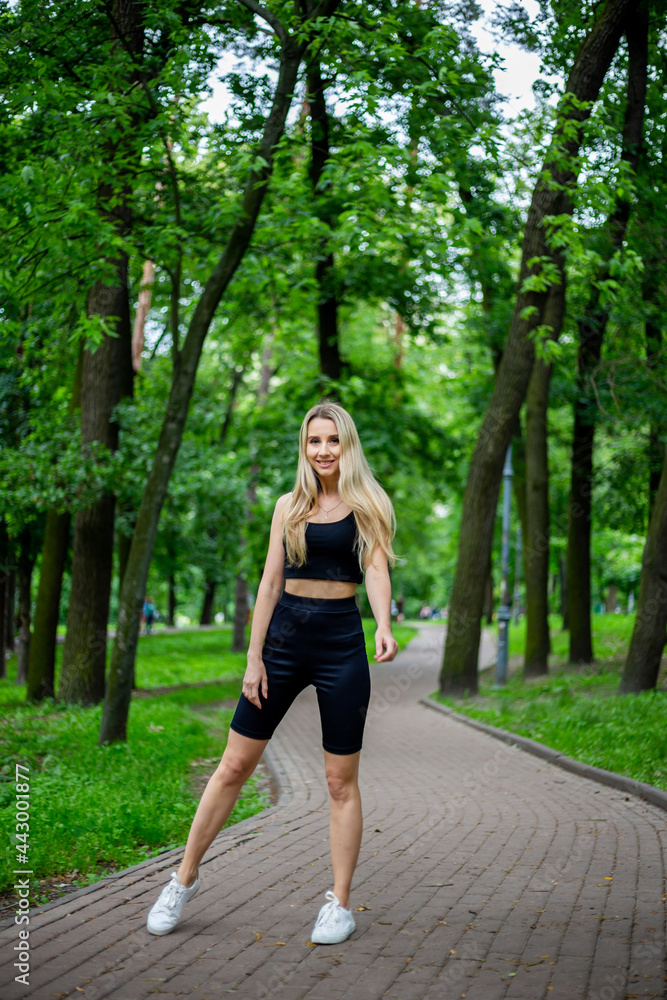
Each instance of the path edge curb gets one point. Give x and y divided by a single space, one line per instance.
649 793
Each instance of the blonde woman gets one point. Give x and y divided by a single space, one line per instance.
336 524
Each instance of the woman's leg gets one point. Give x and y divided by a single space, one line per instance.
346 821
238 762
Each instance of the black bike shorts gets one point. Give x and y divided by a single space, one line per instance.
320 642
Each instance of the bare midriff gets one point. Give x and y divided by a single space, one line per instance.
321 589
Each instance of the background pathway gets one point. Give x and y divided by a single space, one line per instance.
485 873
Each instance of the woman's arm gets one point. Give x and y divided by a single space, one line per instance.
268 595
378 588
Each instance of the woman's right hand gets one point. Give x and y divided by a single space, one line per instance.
255 680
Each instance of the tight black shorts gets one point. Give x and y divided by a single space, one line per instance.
313 641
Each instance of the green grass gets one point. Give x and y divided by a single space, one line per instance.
578 711
187 657
611 637
100 809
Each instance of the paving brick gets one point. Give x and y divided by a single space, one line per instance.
569 977
485 985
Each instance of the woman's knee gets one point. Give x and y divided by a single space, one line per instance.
343 786
233 770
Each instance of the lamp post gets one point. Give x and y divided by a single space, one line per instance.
505 609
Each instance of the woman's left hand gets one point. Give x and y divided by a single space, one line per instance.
386 646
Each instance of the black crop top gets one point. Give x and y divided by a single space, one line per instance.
330 553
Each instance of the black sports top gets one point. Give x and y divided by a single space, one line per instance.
330 553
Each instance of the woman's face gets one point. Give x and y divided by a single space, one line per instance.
323 449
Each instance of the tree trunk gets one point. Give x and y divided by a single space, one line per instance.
172 602
551 197
117 701
579 527
42 658
84 652
143 307
655 363
241 600
240 614
649 634
237 379
488 600
611 599
591 334
562 566
10 624
123 549
327 305
536 561
206 617
519 476
536 544
106 377
24 575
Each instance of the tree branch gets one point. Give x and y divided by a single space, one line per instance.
325 8
267 16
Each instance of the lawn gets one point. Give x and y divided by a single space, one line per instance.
95 810
578 710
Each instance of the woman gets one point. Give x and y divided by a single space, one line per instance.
337 520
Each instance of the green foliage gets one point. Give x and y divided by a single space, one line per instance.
422 204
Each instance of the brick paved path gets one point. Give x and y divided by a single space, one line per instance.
485 873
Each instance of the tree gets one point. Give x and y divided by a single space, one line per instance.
292 47
551 198
591 332
537 530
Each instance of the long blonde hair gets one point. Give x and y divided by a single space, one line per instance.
357 486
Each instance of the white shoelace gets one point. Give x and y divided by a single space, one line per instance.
329 911
171 895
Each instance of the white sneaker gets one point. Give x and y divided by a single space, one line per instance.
166 913
334 924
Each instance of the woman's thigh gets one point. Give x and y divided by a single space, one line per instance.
343 683
286 674
242 754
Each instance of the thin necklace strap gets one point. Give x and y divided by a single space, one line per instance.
330 510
